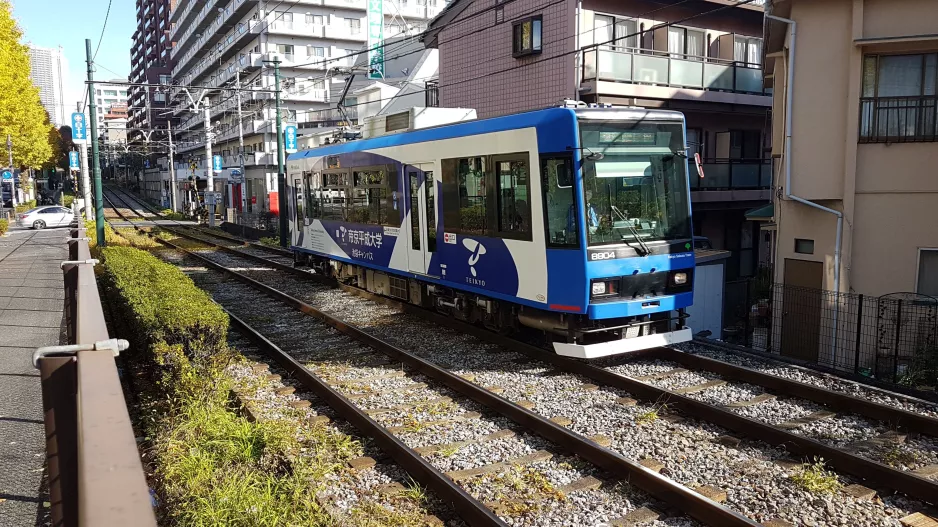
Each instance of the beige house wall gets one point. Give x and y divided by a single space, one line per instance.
888 193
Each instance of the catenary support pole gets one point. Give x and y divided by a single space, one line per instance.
98 194
281 173
85 174
240 137
172 167
209 162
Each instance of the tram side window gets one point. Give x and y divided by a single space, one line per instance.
372 196
513 192
559 201
464 184
313 189
333 197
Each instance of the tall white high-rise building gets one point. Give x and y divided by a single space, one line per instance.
224 43
47 67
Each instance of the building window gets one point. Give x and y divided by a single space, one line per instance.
898 102
684 43
286 50
927 283
526 36
313 20
354 25
621 32
165 80
803 246
315 51
159 97
748 51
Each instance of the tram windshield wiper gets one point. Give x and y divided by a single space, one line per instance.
643 249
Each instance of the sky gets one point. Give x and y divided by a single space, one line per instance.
67 23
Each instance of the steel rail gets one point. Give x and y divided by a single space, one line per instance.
679 496
246 243
903 418
876 474
470 509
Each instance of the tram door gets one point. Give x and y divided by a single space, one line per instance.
420 186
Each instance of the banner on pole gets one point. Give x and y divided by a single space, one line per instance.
375 39
79 128
73 161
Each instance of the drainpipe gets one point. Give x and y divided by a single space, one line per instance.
789 91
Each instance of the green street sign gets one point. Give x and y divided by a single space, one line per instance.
375 39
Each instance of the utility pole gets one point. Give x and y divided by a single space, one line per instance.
240 136
281 175
172 165
209 163
85 178
12 181
98 194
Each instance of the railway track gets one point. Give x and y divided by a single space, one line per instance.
676 397
529 464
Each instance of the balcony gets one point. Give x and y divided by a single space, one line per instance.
250 159
351 4
344 32
898 119
732 180
296 28
303 94
632 72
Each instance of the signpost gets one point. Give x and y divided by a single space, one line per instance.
213 198
289 139
375 39
236 176
79 128
217 164
74 162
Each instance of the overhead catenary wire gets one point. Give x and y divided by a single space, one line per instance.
528 64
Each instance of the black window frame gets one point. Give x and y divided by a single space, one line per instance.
517 50
567 157
452 217
386 202
495 188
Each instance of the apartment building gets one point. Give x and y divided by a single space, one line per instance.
150 64
222 44
111 96
509 57
855 144
46 69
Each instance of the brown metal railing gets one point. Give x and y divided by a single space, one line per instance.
95 474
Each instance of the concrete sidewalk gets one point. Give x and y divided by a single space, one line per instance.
32 293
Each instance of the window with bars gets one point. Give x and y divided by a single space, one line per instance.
898 102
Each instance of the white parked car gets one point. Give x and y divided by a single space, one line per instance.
47 216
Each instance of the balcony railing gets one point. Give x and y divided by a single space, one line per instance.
641 66
898 119
733 174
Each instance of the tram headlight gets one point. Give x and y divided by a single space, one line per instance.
604 287
679 278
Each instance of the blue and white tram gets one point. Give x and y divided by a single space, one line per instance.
575 222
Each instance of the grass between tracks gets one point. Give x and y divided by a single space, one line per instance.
210 464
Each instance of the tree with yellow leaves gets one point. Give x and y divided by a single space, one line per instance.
22 115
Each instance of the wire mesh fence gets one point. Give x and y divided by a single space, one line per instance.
891 338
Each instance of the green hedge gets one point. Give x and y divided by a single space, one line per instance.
4 225
26 205
157 303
